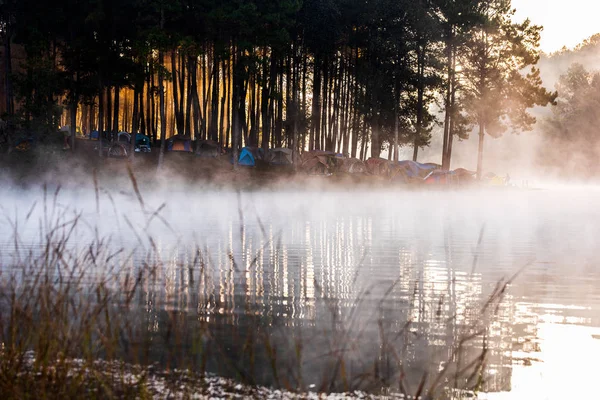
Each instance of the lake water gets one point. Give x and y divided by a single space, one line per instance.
392 277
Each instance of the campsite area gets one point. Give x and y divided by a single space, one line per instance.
206 163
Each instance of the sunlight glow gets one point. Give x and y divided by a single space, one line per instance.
565 23
565 368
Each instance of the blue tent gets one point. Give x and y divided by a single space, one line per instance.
247 158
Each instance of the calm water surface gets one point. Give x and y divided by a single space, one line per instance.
302 260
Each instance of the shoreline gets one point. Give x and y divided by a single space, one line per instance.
123 379
85 169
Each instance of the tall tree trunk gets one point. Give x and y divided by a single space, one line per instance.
447 112
272 93
125 122
229 101
175 89
163 116
141 113
335 114
170 110
135 118
84 118
325 106
161 93
91 115
109 111
480 150
315 130
181 116
375 142
258 106
196 101
304 100
223 104
135 123
141 121
242 105
396 117
8 68
253 135
355 130
294 107
73 117
348 109
214 105
420 101
155 113
453 112
448 106
236 131
363 142
279 118
116 109
289 81
150 104
189 98
100 119
266 119
204 96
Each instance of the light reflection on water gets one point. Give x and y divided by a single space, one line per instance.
412 256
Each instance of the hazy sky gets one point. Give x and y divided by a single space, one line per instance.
566 23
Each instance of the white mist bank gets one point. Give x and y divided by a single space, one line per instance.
511 216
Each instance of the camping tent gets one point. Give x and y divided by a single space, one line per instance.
415 170
353 166
459 176
208 148
249 156
464 176
378 167
180 143
142 143
319 162
123 137
439 177
279 156
118 150
316 165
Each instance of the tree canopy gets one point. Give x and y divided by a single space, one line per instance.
361 78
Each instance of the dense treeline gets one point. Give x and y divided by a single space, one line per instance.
356 77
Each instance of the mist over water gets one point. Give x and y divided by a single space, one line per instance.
296 259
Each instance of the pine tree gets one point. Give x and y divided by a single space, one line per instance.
498 92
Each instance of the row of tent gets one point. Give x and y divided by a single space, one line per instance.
249 156
328 163
319 162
